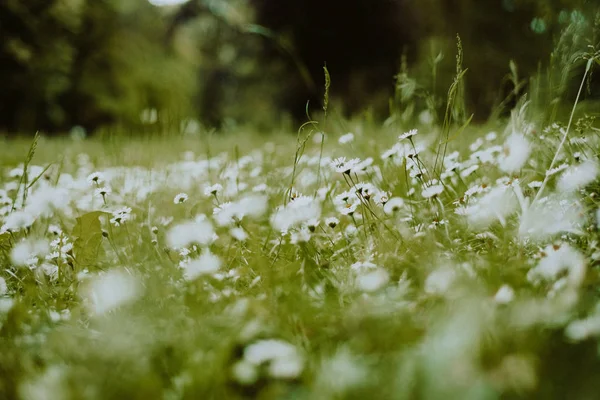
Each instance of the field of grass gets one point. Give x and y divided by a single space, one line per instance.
384 263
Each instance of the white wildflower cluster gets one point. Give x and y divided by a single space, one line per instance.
397 253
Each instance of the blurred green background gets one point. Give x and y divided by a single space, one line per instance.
86 65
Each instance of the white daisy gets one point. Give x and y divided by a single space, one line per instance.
180 198
408 134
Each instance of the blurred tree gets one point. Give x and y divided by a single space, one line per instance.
85 62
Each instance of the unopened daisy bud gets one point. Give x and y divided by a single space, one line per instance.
180 198
155 230
104 233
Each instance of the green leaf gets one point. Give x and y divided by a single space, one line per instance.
88 238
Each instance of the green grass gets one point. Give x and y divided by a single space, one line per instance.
460 261
118 317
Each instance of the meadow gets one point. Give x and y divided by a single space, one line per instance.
362 264
351 260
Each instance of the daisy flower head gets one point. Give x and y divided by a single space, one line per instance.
95 178
121 216
349 208
332 222
180 198
213 190
434 189
381 198
344 166
296 212
103 191
408 134
365 190
393 205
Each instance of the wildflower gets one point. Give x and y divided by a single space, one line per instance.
18 220
351 230
300 236
347 138
46 200
583 328
16 173
550 216
111 290
238 234
490 137
282 359
381 198
50 270
557 169
54 230
363 166
312 224
363 266
393 205
345 166
577 177
432 190
497 204
215 189
365 190
476 144
440 280
103 191
187 233
332 222
120 216
245 373
23 251
557 259
180 198
504 295
208 263
95 178
516 151
253 206
349 208
397 150
261 187
468 171
372 281
408 134
296 212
